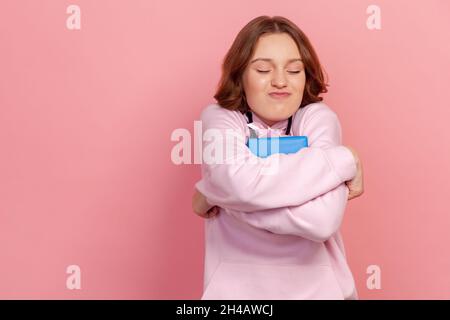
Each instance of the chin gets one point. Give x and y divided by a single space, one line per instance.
277 119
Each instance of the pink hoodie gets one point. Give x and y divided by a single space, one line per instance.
277 235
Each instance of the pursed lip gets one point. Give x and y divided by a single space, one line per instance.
279 94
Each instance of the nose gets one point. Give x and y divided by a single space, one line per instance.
279 79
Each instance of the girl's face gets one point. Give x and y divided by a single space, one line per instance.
275 66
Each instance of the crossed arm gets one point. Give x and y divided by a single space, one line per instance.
312 201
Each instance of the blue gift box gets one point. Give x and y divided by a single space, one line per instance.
264 147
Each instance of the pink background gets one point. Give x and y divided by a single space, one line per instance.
86 117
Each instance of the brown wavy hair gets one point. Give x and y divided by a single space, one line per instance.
230 91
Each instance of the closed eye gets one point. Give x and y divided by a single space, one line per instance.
266 71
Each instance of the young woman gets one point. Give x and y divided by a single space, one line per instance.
275 235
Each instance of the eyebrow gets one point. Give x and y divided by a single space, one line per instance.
270 60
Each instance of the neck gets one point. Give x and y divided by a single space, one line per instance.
269 123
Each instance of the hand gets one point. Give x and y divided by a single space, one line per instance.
356 185
201 207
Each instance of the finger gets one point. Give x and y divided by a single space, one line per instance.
202 215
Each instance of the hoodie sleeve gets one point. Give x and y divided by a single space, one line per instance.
234 178
317 219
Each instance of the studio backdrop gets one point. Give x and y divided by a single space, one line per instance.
93 204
